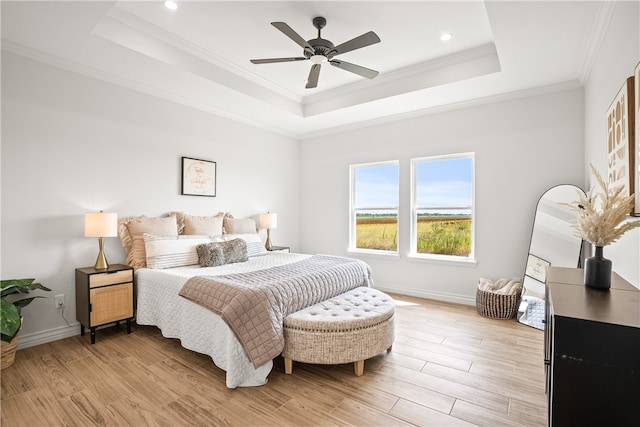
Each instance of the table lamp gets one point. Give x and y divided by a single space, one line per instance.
268 220
100 225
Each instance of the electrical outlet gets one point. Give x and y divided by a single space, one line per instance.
59 301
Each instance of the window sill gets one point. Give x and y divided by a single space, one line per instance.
385 254
441 259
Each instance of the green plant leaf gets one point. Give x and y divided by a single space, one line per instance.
10 320
11 310
13 286
40 286
22 286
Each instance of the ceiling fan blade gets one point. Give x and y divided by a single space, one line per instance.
357 69
367 39
289 32
312 80
272 60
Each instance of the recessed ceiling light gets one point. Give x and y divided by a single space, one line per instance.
171 5
446 36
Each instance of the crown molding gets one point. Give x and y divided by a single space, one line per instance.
145 27
162 93
470 63
150 46
426 67
49 59
596 35
477 102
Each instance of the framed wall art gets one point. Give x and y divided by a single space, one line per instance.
537 268
636 109
198 177
621 139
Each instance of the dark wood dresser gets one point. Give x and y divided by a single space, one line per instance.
592 351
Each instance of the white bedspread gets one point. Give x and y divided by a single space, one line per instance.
198 328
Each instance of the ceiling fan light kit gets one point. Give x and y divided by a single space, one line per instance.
171 5
320 51
318 59
446 37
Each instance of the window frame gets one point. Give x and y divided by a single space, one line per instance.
353 210
413 223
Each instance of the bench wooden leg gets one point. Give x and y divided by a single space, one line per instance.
358 367
288 366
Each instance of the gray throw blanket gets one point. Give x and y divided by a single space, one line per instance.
255 304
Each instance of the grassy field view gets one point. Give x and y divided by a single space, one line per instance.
437 234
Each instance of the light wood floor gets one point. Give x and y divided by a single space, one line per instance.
448 367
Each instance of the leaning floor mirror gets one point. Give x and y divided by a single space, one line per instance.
553 243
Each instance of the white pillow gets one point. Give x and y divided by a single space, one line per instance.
239 225
173 251
201 225
255 247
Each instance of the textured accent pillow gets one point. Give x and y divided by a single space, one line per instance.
203 225
131 231
239 226
172 251
255 247
220 253
210 255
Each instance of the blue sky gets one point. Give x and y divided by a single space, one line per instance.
447 182
377 186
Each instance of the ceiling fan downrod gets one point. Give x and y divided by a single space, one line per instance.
319 22
322 48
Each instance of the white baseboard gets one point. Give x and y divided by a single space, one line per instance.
439 296
42 337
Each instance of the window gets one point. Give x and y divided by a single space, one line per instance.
374 207
442 206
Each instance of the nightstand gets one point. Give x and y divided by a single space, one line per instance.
104 296
280 249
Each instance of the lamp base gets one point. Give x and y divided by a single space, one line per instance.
268 242
101 261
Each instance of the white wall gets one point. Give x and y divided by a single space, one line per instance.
615 60
522 147
72 144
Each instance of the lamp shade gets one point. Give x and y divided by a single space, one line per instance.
268 220
100 224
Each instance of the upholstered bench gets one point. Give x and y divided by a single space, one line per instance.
350 327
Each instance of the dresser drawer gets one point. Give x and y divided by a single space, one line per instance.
103 279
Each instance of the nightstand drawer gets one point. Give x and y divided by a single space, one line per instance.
102 279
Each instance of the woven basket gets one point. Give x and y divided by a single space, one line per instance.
8 352
497 306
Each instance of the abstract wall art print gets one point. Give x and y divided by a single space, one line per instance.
621 139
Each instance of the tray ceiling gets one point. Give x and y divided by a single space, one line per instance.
198 55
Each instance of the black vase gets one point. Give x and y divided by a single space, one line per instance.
597 271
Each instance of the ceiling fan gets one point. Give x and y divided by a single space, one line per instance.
320 51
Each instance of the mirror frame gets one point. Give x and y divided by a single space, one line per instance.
532 303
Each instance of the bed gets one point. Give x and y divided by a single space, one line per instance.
159 283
